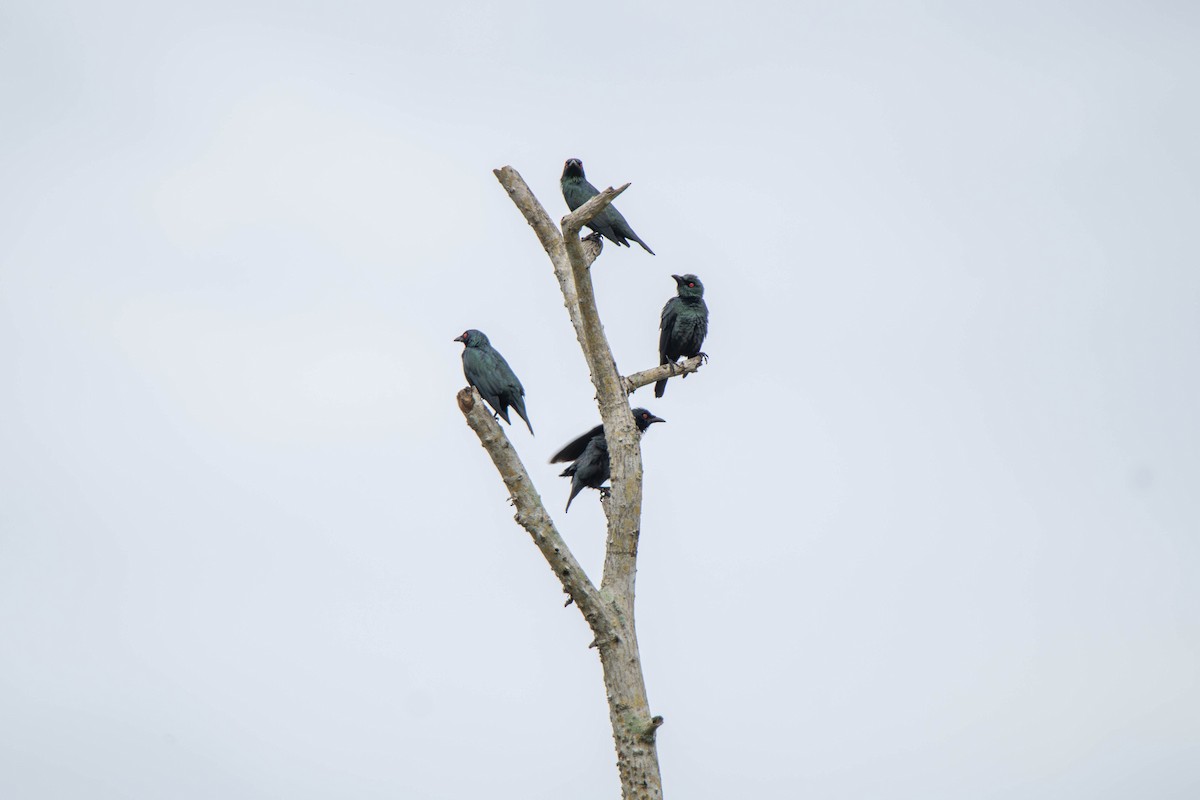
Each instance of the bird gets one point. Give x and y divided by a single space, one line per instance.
589 453
683 326
488 372
609 222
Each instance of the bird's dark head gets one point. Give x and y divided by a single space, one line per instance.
645 419
573 168
472 338
689 285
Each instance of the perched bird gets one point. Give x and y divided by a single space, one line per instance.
684 325
609 222
590 456
488 372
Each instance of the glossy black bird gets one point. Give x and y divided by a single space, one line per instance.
590 454
488 372
684 325
609 222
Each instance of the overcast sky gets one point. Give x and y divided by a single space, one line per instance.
926 526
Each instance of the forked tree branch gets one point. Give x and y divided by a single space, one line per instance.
609 610
571 264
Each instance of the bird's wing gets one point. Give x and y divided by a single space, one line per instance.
575 448
490 373
666 327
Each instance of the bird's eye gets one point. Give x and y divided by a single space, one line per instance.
691 285
645 416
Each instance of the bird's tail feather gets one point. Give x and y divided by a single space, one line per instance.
521 410
575 489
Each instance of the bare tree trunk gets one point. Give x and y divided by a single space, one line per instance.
609 609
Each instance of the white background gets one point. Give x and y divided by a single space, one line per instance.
925 527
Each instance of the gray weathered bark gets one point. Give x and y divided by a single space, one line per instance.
609 609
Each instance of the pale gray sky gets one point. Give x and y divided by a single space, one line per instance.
925 527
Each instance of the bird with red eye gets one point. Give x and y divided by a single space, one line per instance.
683 326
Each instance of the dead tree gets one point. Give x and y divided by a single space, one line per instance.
608 609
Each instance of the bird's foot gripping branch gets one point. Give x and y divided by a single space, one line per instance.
663 371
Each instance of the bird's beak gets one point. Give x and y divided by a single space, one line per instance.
678 278
654 419
461 338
